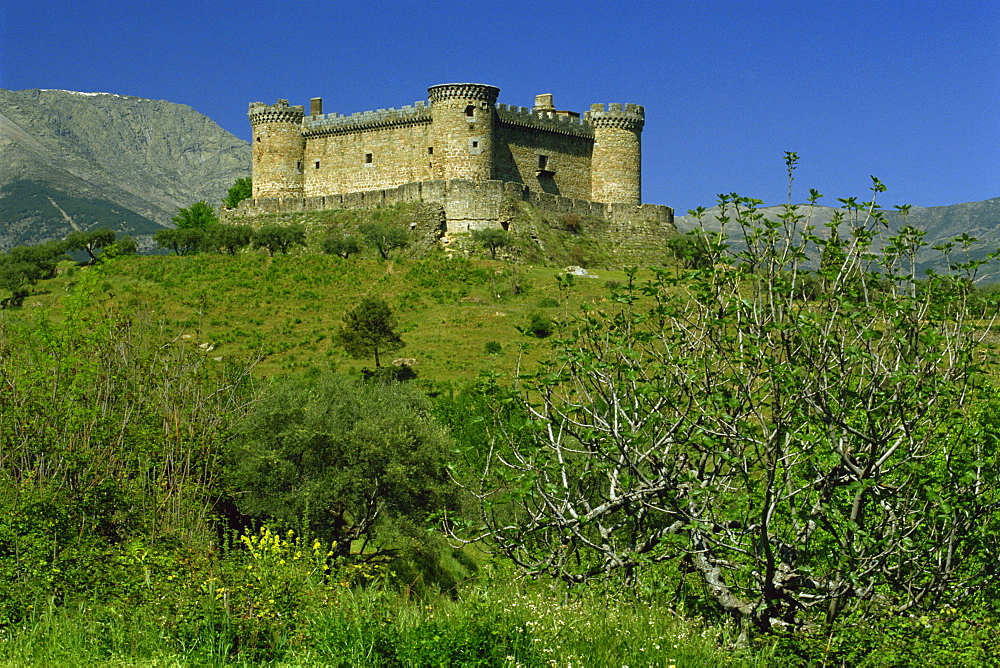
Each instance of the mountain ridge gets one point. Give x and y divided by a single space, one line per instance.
94 159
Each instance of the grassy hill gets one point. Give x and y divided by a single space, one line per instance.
286 309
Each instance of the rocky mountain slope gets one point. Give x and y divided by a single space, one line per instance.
80 160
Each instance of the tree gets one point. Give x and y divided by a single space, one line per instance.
229 238
26 265
802 460
342 245
279 237
90 241
240 190
492 238
346 460
182 241
384 237
199 215
44 256
126 245
370 329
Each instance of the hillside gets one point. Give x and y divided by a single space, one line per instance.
77 160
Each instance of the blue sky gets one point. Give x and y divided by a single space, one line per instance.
907 91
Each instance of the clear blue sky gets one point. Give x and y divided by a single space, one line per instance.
908 91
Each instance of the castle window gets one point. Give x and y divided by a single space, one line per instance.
317 164
430 150
368 158
470 111
258 140
298 165
475 144
542 161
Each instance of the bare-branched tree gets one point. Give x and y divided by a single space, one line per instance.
793 424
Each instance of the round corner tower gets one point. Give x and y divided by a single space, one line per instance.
616 164
277 149
463 117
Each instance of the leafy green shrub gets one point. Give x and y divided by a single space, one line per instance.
341 245
279 238
493 348
342 459
492 238
384 237
539 325
547 302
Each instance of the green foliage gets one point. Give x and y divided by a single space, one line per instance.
370 329
181 240
227 238
691 249
99 413
384 237
493 348
493 238
344 460
124 245
241 189
538 325
279 238
342 245
23 266
804 460
197 216
26 206
90 241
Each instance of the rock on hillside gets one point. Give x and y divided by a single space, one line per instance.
80 160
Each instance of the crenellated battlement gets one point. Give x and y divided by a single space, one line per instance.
552 121
332 124
463 91
459 133
280 112
626 117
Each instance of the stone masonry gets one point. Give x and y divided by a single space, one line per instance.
459 148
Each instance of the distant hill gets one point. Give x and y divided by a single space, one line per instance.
81 160
941 223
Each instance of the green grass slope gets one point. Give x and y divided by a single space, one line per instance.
287 309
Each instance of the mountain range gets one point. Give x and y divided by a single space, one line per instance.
72 160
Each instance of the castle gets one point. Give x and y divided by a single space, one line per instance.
460 149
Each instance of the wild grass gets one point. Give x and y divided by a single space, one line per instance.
286 309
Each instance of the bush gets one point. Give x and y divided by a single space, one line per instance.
538 325
342 460
493 348
341 244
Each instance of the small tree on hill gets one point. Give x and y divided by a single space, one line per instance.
182 241
492 238
370 329
384 237
279 237
341 245
199 215
242 189
229 238
126 245
90 241
692 249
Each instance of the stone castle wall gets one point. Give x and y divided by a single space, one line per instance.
461 133
637 231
